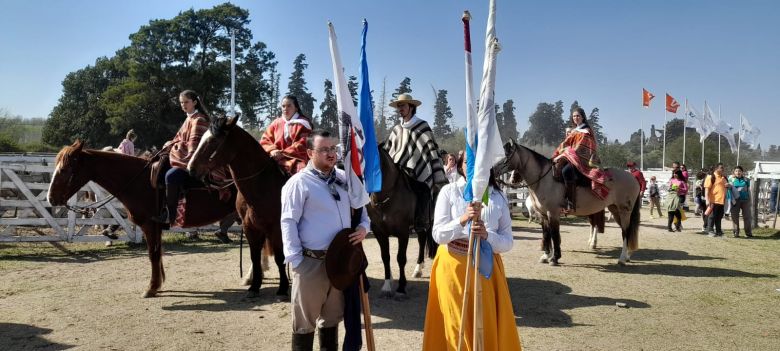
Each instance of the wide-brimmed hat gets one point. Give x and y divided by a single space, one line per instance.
630 164
343 261
405 99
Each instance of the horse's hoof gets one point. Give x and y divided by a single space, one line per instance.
417 274
246 282
150 293
621 263
386 294
543 259
251 294
554 262
282 292
400 296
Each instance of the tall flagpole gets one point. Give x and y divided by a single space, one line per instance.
719 119
685 126
469 110
703 139
663 149
233 71
641 144
739 137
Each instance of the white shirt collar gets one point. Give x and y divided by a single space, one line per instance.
191 114
411 122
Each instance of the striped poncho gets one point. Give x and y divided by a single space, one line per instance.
412 147
579 148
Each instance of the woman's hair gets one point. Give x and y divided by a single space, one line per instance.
701 175
192 95
295 103
739 168
131 135
459 165
582 113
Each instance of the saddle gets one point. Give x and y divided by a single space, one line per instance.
158 169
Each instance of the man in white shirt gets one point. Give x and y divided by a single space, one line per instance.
315 207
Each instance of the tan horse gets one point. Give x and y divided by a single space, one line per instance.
536 170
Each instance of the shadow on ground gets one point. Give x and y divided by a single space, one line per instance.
542 303
27 337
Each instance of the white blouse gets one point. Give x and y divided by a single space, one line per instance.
450 205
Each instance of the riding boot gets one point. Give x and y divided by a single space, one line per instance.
168 213
329 339
422 213
303 342
571 197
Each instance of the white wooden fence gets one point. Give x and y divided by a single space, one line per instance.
26 215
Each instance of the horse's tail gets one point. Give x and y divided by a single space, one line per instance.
632 232
431 244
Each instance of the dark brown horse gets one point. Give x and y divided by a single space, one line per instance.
259 181
392 214
128 179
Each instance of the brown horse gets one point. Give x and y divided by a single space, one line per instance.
259 181
392 214
128 179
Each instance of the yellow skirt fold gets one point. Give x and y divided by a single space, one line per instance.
445 296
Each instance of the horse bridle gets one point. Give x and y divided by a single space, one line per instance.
98 204
523 163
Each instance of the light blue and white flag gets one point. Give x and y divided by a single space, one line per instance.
747 133
483 140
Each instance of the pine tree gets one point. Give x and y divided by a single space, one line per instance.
593 121
352 85
509 125
404 88
329 111
545 125
442 116
380 119
297 86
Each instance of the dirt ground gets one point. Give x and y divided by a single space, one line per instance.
682 291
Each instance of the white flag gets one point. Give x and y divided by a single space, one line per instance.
747 133
350 129
698 121
727 131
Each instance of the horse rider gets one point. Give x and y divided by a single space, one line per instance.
577 153
182 147
315 207
412 147
640 177
285 139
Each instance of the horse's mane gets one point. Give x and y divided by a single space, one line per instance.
540 159
67 152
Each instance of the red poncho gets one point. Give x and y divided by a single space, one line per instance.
292 141
579 148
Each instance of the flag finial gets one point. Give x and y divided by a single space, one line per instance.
466 15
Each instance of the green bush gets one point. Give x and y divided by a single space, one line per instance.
8 144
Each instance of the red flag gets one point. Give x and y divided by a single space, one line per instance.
646 97
671 104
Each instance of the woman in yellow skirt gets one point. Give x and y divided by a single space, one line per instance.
445 295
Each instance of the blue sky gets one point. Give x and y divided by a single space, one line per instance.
601 53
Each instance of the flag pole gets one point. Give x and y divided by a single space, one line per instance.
233 71
663 149
703 139
641 144
469 259
478 341
719 119
739 137
685 126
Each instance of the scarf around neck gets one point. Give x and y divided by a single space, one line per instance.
330 179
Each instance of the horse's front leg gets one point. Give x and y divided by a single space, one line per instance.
422 241
594 232
403 243
623 254
384 249
255 239
153 234
546 242
555 234
284 281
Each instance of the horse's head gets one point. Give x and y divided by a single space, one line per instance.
214 150
505 165
69 175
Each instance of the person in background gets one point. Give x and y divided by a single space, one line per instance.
655 197
673 199
773 197
715 187
741 202
450 169
684 203
285 139
127 145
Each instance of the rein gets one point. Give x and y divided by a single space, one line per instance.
84 210
540 177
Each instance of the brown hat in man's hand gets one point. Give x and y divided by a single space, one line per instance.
344 261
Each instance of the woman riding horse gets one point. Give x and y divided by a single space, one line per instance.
578 152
